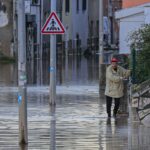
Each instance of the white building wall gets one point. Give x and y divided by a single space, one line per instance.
80 23
66 20
93 10
131 19
128 25
147 14
93 13
75 23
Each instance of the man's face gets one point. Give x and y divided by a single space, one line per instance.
114 65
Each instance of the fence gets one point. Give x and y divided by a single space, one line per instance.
141 99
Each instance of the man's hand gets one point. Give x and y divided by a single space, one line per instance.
123 78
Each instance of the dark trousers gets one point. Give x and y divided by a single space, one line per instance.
109 103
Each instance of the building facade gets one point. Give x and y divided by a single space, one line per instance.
75 21
130 19
110 30
79 17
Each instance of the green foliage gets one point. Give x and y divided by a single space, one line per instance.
140 41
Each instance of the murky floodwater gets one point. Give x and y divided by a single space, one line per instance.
78 122
68 71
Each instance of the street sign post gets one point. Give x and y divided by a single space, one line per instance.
52 27
22 80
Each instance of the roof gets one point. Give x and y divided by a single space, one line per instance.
133 3
130 11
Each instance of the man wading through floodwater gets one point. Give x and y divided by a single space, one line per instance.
115 75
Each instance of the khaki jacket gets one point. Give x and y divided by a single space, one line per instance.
114 82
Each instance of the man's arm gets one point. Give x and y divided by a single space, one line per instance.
126 73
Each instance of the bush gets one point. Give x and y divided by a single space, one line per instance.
140 41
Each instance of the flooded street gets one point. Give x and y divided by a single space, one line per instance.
79 120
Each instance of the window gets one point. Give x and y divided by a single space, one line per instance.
67 9
34 1
77 8
97 27
83 5
92 27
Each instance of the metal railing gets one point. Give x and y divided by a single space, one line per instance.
141 99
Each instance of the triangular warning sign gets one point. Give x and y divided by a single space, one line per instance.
53 25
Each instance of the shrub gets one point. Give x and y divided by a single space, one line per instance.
140 42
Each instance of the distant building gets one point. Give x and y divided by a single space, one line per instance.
93 25
75 21
111 30
113 6
36 12
79 17
129 20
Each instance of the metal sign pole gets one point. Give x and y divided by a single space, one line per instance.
22 96
53 61
101 73
53 26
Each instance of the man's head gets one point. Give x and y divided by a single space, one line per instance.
114 63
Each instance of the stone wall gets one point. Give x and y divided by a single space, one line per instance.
6 26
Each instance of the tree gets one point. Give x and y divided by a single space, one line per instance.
140 42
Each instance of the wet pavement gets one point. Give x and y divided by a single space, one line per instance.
78 122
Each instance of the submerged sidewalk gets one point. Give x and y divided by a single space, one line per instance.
79 122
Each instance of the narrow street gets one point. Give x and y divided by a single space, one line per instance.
53 58
79 120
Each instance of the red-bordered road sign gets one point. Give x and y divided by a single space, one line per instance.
53 25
